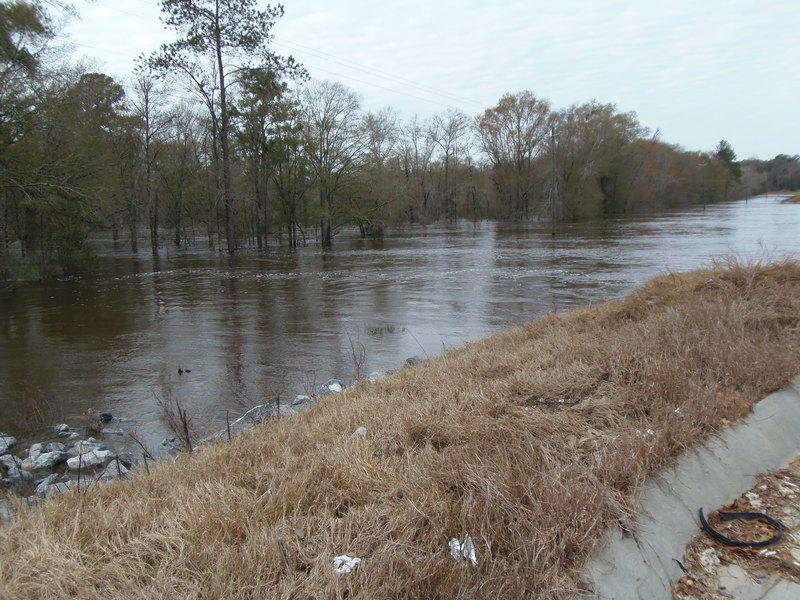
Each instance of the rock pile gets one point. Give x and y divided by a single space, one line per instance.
53 467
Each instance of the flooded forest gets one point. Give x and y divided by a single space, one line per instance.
219 143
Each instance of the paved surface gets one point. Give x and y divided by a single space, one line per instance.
784 590
718 571
644 565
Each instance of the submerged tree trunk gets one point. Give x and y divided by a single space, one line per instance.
224 131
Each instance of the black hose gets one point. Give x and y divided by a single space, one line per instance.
748 516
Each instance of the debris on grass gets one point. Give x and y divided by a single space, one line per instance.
344 564
464 552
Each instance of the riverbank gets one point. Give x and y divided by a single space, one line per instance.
531 442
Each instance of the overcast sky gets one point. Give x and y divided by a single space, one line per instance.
697 70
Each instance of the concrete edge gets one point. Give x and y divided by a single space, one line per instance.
644 565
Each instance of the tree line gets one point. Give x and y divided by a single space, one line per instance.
216 139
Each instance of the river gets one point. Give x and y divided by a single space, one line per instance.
245 329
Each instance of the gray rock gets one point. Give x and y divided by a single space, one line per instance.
260 413
89 445
6 441
301 400
61 428
332 386
128 459
413 361
55 447
113 470
14 474
256 414
10 463
6 514
58 488
72 435
51 478
48 460
43 484
375 376
90 459
35 450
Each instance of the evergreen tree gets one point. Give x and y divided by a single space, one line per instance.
217 39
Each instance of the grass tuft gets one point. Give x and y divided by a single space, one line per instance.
533 441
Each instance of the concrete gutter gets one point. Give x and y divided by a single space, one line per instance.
643 565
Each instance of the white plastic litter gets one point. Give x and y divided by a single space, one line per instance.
754 499
344 564
455 549
464 552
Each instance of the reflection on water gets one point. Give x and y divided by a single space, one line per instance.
279 322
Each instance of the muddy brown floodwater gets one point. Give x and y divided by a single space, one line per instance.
250 327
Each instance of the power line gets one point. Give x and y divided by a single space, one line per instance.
81 45
326 56
125 12
377 85
146 3
316 67
368 70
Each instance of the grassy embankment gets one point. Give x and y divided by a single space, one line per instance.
795 199
533 441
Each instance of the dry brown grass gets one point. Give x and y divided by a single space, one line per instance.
533 441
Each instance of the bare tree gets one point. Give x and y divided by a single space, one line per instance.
450 133
148 102
331 115
417 145
510 134
595 159
378 188
291 175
